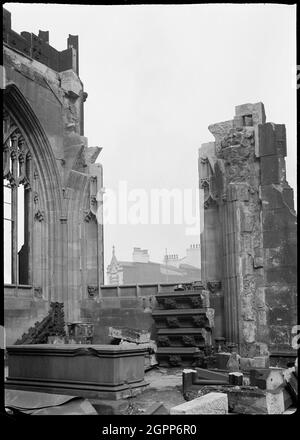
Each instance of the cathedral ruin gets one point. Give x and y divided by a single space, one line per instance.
249 243
53 241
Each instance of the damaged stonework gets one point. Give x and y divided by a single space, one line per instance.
249 237
62 257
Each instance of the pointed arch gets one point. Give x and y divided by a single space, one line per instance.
45 243
19 108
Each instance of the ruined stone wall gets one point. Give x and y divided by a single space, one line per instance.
44 108
246 194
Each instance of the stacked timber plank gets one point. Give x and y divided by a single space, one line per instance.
184 324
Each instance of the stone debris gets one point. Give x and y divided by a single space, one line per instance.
193 379
233 363
222 359
292 387
236 378
268 390
133 338
252 400
156 408
129 334
38 403
267 378
212 403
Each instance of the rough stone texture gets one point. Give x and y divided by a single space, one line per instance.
212 403
62 259
255 401
249 237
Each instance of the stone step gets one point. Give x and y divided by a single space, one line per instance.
182 318
179 293
181 331
183 337
177 300
179 312
178 356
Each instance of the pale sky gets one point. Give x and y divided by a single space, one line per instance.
157 76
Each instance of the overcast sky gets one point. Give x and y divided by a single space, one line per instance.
157 76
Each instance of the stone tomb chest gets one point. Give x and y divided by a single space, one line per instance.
92 371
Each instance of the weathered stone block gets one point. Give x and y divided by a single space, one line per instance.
281 274
272 139
257 111
236 378
247 264
280 335
238 191
261 320
258 260
245 363
288 196
271 196
280 315
282 255
276 295
277 219
111 303
272 239
267 378
222 360
247 220
211 403
249 331
129 303
188 375
257 401
96 371
272 170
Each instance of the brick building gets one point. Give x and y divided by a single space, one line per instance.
142 271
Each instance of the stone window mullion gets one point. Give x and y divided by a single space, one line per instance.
29 217
14 208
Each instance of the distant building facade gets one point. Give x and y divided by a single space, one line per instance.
192 258
141 270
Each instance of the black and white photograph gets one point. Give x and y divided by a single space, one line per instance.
149 214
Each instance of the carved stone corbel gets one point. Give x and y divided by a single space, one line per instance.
172 322
163 341
196 302
39 215
88 216
214 286
92 291
170 304
38 292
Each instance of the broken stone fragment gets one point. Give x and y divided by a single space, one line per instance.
212 403
268 379
233 363
252 400
236 378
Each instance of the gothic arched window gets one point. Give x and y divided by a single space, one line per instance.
17 174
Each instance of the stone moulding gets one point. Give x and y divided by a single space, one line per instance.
214 286
93 371
93 291
178 356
